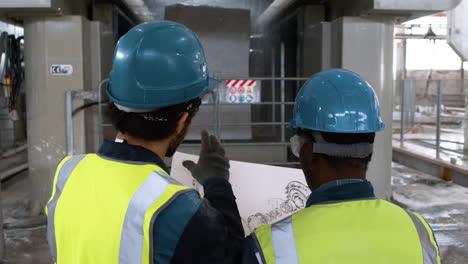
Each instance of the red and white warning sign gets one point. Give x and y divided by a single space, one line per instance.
241 91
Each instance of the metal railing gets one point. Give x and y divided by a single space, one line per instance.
432 117
69 97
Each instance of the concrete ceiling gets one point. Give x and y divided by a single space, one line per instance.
154 9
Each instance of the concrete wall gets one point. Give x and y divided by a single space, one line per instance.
225 36
453 89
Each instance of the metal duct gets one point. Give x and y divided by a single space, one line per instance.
275 9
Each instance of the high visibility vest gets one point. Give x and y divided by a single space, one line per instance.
362 231
102 211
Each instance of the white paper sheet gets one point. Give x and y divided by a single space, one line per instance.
265 194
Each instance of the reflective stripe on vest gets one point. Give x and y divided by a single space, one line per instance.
118 226
429 250
277 243
132 239
282 235
60 180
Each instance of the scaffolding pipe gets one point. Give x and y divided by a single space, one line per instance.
14 151
283 95
8 173
26 223
402 116
217 115
273 11
439 105
69 121
273 88
100 118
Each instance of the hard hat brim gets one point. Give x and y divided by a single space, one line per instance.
294 125
210 84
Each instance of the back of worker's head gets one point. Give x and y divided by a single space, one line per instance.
155 125
336 116
340 150
158 75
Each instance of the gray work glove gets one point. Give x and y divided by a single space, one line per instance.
212 162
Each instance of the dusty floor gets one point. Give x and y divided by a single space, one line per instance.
25 245
444 205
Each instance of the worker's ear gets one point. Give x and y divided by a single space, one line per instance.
181 122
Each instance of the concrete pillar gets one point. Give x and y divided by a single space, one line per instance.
48 41
365 46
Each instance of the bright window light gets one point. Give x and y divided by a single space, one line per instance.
423 54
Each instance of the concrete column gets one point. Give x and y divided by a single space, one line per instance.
365 46
48 41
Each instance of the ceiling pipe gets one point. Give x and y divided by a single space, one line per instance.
273 11
124 9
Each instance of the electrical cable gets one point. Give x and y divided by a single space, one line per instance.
87 105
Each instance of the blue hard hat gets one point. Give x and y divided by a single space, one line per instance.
337 101
158 64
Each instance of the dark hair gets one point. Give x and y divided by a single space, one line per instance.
342 139
155 125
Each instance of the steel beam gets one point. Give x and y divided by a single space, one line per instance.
435 167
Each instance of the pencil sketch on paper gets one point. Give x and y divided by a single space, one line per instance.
296 194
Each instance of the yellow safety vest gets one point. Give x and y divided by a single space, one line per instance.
352 232
102 211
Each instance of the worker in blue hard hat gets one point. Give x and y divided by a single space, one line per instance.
336 116
120 205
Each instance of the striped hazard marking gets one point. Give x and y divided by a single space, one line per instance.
241 83
240 91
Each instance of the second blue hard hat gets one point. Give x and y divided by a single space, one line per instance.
337 101
158 64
